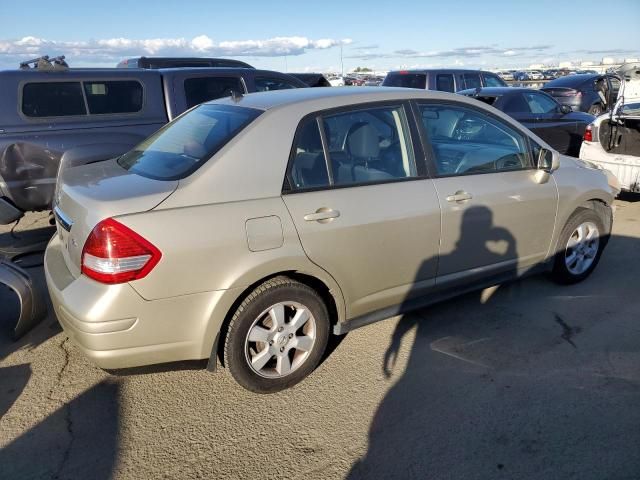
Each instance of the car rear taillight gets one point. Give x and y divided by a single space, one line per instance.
114 253
588 134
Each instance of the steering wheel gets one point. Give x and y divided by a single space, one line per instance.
468 128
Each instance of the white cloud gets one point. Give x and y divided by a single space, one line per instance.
112 49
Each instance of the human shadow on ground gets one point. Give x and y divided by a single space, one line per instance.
535 381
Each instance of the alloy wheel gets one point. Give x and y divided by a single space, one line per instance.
582 248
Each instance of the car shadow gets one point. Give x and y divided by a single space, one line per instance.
79 440
505 383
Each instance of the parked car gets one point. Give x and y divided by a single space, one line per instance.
190 246
336 80
448 80
521 76
581 92
536 75
505 75
76 116
312 79
613 139
174 62
550 74
556 124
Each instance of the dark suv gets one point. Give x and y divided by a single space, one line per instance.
444 80
76 116
175 62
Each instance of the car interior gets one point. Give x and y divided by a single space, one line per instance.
465 141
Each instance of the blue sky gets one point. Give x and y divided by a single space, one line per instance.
309 35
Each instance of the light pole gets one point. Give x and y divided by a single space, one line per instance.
341 61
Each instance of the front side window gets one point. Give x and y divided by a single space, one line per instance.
466 141
53 99
182 146
472 80
444 82
493 81
113 96
266 84
202 89
362 146
539 103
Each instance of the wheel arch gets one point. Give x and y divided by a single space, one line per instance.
328 291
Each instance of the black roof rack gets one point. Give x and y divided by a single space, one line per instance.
45 63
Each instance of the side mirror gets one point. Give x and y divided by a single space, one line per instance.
548 160
564 109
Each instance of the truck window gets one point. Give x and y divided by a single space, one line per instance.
52 99
113 96
406 80
444 82
266 84
472 80
202 89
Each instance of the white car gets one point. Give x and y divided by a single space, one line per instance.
612 141
536 75
336 81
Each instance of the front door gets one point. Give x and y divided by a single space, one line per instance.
496 219
362 209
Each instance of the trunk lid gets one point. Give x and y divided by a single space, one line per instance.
90 193
628 103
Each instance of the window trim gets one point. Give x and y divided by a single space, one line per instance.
86 115
273 77
430 154
422 172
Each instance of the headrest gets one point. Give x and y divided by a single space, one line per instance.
363 141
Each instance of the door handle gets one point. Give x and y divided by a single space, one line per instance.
459 196
322 215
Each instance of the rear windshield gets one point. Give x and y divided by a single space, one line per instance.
406 80
181 147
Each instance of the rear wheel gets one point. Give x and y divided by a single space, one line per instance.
277 336
580 246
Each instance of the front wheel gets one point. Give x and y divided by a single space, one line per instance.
595 109
579 248
277 336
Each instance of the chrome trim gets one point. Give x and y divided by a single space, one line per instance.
62 219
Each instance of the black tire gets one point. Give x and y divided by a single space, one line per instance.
595 109
266 295
560 272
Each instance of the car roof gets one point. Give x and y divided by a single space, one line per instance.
330 97
576 79
445 70
62 74
496 91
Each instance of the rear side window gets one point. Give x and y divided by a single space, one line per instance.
472 80
182 146
516 104
444 82
366 146
53 99
113 96
267 84
406 80
202 89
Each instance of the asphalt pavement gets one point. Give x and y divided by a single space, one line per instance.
529 380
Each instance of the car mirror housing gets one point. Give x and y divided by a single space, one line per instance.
548 160
564 109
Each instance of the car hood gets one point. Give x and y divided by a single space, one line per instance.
87 194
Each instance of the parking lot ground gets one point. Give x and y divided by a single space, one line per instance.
527 380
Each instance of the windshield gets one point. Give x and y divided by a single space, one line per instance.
181 147
406 80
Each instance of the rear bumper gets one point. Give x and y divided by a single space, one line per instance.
116 328
624 167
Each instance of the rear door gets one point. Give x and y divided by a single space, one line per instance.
496 220
364 209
